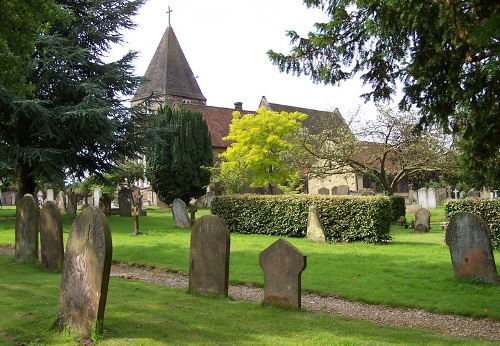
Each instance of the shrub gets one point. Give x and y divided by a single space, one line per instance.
344 219
487 209
398 207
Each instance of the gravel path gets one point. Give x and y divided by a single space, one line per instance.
410 318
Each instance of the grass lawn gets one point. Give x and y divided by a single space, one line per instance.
414 270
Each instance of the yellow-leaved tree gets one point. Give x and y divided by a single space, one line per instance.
260 152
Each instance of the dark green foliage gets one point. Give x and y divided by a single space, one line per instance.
487 209
345 219
175 160
75 121
444 54
398 207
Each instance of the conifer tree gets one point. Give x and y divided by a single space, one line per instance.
176 159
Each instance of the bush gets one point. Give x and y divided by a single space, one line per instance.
344 219
487 209
398 207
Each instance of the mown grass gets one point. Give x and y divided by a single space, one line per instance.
148 314
414 270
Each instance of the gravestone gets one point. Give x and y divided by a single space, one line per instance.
323 191
105 204
431 198
209 257
366 192
97 196
180 213
315 230
422 198
50 195
473 193
27 227
71 203
51 237
422 220
343 190
335 190
469 240
85 278
282 264
124 202
60 200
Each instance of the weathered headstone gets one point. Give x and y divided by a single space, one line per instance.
473 193
431 198
469 240
180 213
315 230
335 190
282 264
50 195
366 192
97 195
209 257
51 237
323 191
422 220
60 200
105 204
85 278
27 227
422 197
124 202
343 190
71 205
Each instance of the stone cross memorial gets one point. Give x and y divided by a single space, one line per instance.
469 240
180 213
85 278
282 264
422 220
315 230
27 227
51 237
209 257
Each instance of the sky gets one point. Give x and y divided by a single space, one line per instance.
225 43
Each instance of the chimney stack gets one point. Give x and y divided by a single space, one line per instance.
238 106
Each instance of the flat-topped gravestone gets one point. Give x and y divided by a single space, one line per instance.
469 240
27 227
180 213
343 190
124 202
85 278
422 220
51 237
50 195
282 264
315 230
209 257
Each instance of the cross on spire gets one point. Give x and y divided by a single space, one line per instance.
168 12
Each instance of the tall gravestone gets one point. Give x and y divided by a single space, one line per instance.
97 195
50 195
422 220
51 237
282 264
469 240
124 202
27 227
431 198
60 200
71 205
209 257
422 197
180 214
85 278
105 204
315 230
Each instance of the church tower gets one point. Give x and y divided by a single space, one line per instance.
169 75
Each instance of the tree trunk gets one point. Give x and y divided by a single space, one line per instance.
27 182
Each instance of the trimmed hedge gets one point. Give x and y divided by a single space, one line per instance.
398 206
345 219
487 209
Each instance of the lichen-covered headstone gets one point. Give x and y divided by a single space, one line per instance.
124 202
209 257
105 204
323 191
180 213
422 220
51 237
27 227
315 230
85 278
282 264
61 200
71 205
469 240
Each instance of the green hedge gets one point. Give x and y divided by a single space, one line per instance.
398 207
345 219
487 209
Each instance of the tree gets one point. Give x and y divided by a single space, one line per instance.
261 142
445 54
74 123
386 150
177 157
